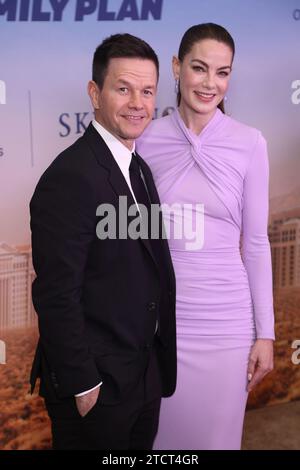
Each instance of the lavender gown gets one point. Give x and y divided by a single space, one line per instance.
224 295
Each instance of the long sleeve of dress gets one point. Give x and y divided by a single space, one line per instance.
256 252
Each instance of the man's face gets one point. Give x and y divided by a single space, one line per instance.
125 104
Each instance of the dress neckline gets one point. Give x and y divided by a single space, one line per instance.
207 129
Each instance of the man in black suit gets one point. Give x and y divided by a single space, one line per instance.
105 304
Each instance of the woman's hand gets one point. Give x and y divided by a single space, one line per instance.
260 362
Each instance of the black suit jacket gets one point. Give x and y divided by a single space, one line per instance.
97 300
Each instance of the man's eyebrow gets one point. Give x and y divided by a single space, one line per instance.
121 81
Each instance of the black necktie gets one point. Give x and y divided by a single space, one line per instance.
138 185
141 195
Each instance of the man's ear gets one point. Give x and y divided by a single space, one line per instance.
94 94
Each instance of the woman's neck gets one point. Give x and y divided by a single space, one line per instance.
195 121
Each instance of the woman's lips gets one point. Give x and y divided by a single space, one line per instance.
205 97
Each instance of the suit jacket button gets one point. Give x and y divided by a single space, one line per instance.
151 306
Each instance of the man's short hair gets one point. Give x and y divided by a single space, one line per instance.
120 46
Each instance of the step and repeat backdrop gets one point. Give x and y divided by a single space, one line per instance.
46 50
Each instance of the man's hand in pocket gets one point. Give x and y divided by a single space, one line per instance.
86 402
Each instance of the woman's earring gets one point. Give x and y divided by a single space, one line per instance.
225 98
176 89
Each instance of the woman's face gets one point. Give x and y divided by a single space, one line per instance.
204 76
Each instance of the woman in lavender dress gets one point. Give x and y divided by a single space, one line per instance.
213 170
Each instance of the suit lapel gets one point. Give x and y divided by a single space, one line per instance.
106 160
115 175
